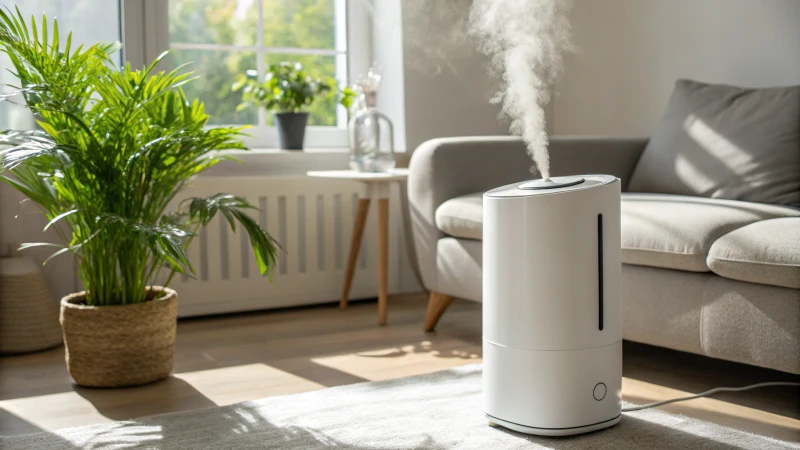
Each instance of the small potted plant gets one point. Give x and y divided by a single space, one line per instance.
288 90
114 149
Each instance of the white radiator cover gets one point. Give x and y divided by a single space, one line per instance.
312 220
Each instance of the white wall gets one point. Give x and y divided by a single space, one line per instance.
387 48
447 86
633 50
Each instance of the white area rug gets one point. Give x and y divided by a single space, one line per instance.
436 411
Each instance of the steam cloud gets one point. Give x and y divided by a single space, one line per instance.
526 40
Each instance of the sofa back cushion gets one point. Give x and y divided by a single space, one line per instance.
725 142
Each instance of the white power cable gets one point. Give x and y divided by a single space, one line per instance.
710 392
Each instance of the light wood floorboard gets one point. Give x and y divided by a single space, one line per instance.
229 359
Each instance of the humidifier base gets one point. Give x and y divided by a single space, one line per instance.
552 391
494 421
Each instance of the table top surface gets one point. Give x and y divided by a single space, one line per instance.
393 175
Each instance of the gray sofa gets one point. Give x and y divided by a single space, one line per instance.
709 276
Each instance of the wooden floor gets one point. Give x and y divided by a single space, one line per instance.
229 359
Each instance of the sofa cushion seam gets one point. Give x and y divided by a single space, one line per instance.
744 261
671 252
465 220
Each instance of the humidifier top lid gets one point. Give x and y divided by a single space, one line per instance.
555 185
552 183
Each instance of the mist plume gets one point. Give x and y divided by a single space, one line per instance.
526 40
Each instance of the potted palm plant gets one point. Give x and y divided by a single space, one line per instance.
288 90
113 150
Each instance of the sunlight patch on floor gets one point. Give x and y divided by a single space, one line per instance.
407 360
236 384
54 411
182 391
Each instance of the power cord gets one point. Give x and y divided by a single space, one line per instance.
710 392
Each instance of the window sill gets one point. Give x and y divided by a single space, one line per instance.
279 151
277 162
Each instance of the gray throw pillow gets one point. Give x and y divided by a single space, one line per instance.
725 142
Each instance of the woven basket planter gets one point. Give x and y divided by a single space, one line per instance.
28 312
116 346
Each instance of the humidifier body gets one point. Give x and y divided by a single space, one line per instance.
552 307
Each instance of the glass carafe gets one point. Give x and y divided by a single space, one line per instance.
371 132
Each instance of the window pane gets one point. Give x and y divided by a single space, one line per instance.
89 21
230 22
299 23
323 110
217 71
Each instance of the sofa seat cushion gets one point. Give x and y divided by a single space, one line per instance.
462 217
766 252
677 232
658 230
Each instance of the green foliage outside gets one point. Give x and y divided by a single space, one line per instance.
115 148
295 23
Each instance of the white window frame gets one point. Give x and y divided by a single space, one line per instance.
145 35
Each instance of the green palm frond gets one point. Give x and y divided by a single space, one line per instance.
114 149
233 209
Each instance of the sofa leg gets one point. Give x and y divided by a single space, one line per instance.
437 305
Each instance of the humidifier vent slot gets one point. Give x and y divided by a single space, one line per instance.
600 269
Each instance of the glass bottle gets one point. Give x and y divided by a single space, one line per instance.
371 132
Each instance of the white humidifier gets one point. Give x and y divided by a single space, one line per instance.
552 307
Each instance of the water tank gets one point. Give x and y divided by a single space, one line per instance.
552 306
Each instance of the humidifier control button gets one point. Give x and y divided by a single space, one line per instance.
599 391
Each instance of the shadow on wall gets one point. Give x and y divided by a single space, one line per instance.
448 84
436 35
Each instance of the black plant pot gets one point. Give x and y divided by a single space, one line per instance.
291 129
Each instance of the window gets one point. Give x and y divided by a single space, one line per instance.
88 23
224 38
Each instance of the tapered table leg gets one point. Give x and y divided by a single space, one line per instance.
377 188
355 246
383 259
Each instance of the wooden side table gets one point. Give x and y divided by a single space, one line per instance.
377 189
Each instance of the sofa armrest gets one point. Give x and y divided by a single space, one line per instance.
441 169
